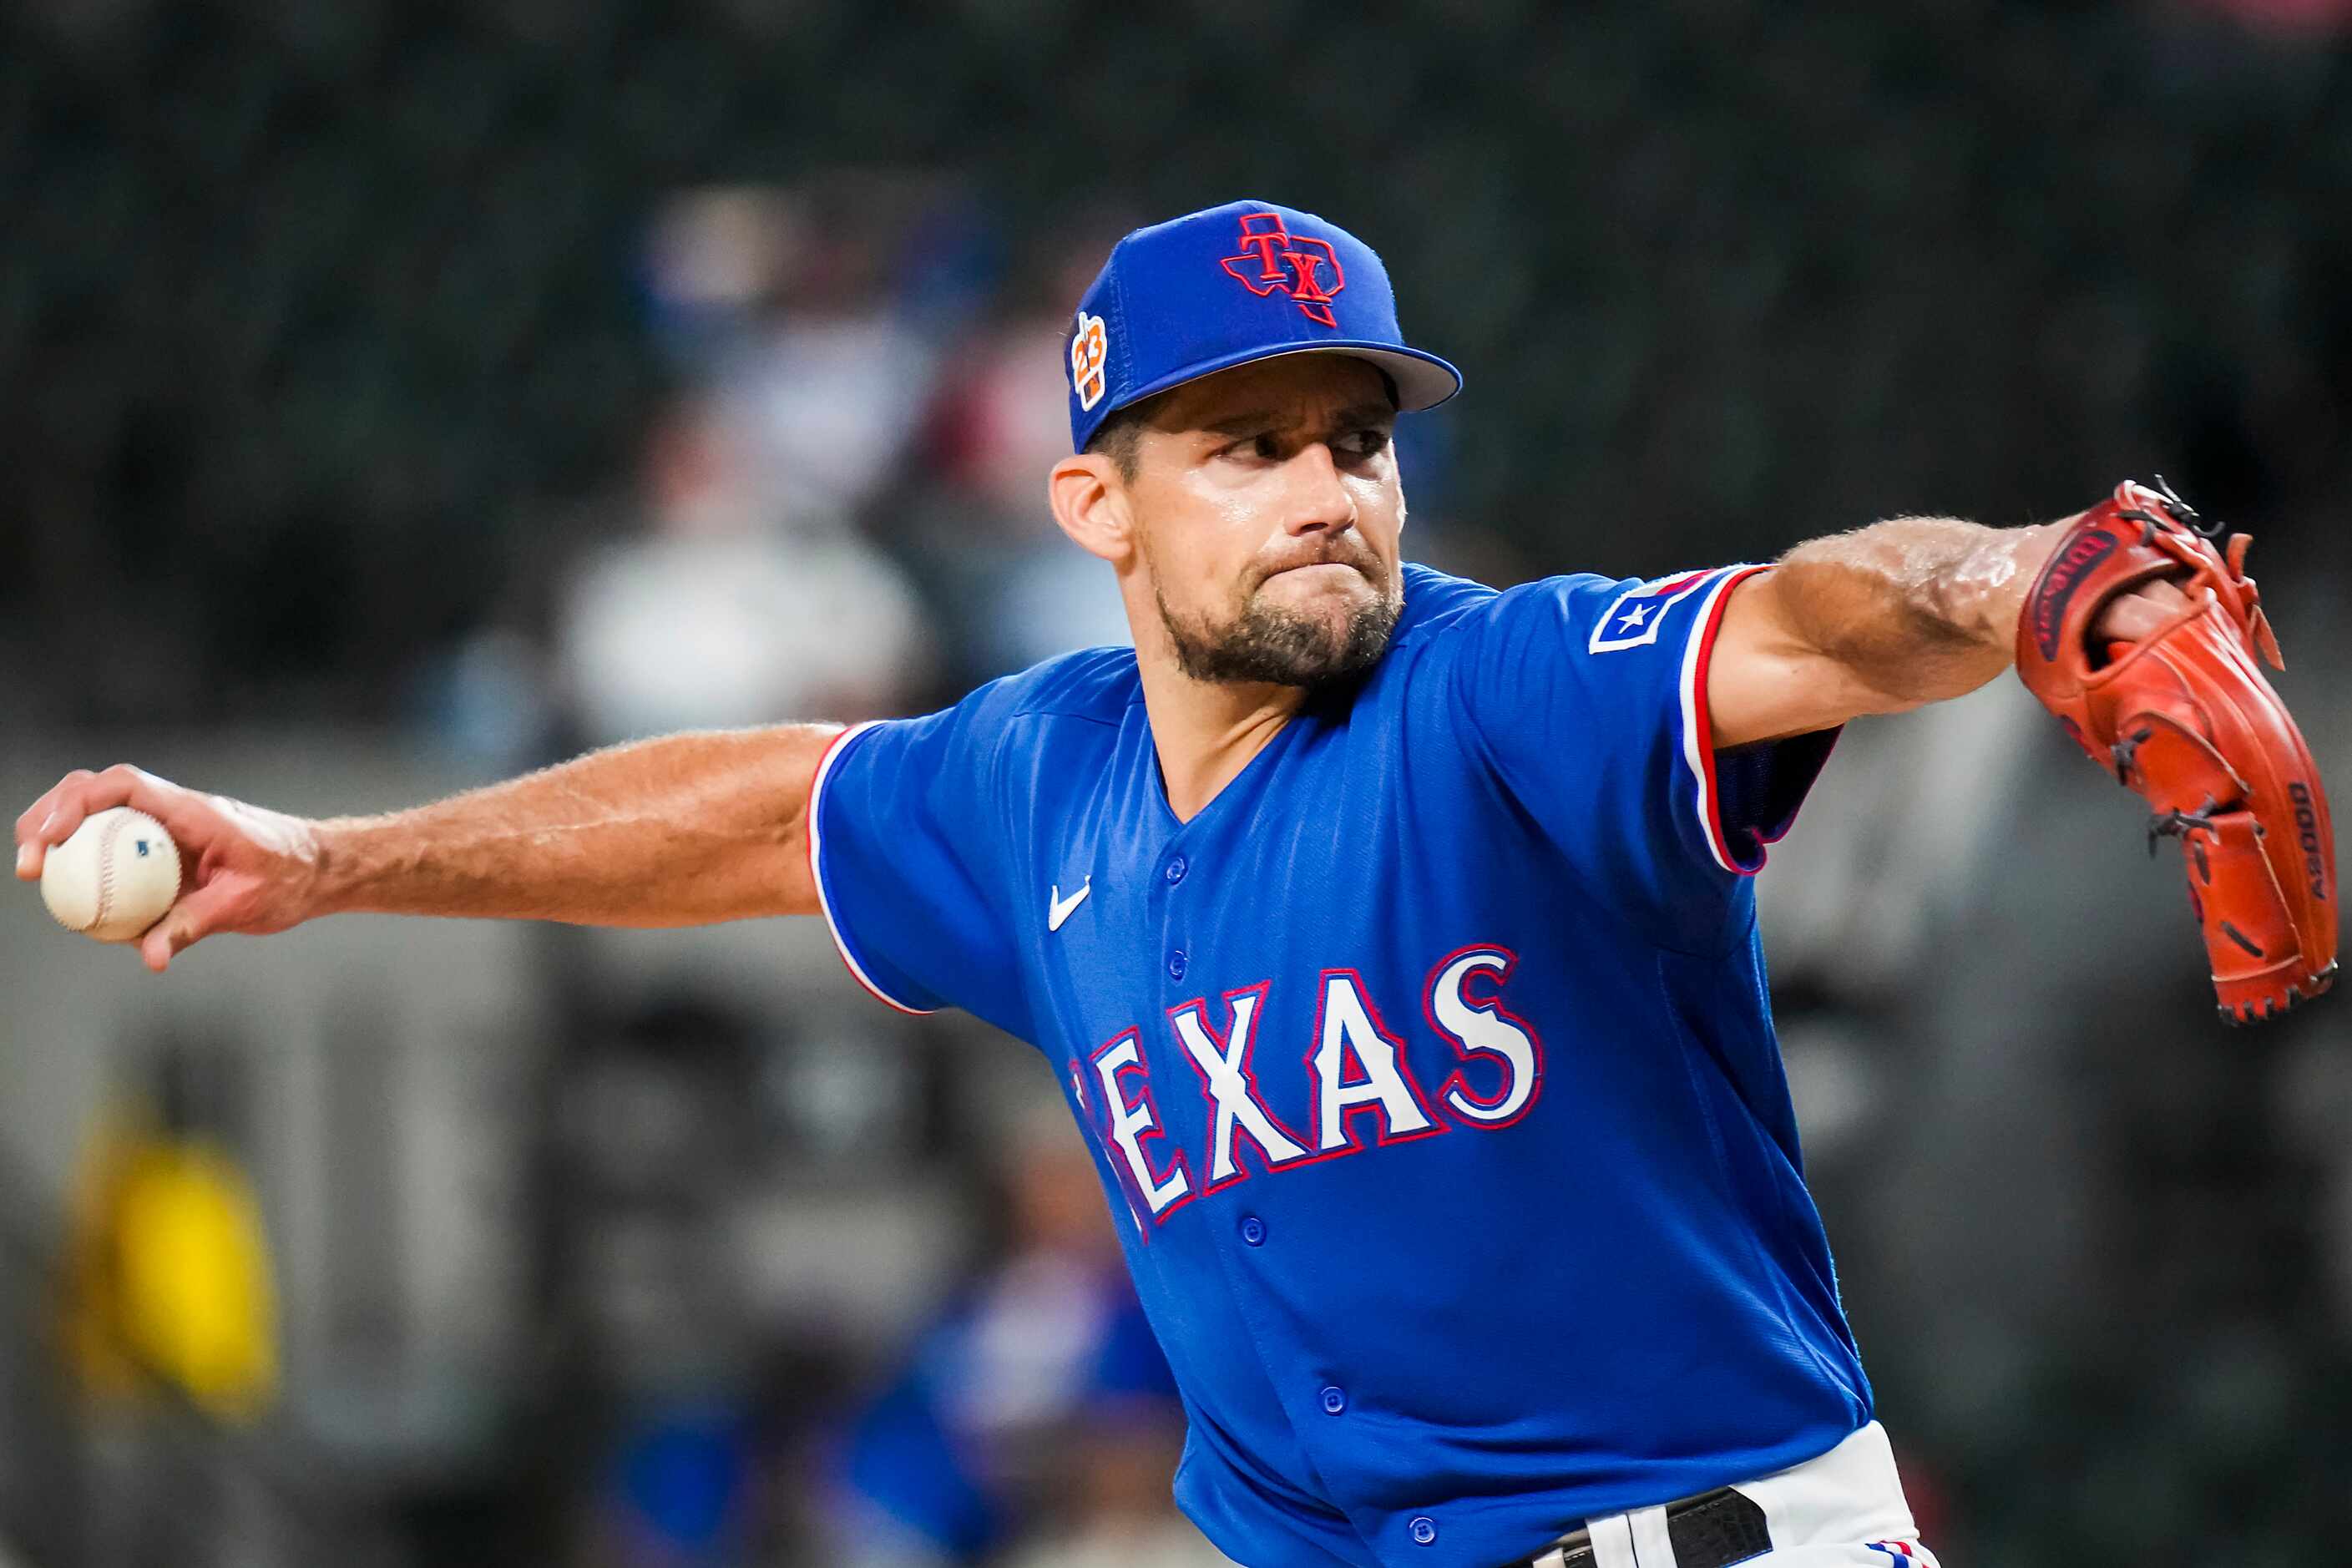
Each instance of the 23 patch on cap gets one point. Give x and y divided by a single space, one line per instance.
1090 351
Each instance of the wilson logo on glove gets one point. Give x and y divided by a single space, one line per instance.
2185 718
2060 578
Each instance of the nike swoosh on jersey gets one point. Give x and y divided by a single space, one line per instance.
1058 908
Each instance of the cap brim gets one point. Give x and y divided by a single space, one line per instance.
1423 380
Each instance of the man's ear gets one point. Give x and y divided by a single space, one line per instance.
1090 503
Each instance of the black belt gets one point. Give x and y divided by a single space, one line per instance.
1712 1529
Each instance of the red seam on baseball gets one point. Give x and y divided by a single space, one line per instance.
105 869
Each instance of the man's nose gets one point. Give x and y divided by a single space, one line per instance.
1320 502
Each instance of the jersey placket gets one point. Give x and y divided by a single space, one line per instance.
1315 1402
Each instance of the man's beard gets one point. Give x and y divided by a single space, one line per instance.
1275 646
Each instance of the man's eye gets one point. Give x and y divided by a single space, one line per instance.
1365 443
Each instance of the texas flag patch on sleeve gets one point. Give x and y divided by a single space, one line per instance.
1634 618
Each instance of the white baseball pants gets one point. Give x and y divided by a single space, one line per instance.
1842 1509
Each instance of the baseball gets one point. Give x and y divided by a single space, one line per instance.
114 877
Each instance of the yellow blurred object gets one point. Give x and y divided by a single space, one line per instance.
171 1274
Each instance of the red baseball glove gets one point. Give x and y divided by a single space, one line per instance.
2186 718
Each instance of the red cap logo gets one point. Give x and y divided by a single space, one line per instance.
1275 261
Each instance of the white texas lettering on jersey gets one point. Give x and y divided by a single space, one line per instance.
1130 1120
1224 1069
1356 1066
1471 1025
1344 1032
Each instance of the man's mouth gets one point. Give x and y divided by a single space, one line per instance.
1318 566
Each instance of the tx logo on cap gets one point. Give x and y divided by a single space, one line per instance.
1275 260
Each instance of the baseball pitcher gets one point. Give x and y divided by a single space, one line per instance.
1392 937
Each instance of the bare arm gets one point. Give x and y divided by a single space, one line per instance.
683 830
1884 618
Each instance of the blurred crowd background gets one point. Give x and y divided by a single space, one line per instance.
397 396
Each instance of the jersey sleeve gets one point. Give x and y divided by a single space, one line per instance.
1588 699
907 842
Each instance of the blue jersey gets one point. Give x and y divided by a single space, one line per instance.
1429 1069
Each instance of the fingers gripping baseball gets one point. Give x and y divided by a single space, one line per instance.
242 868
51 820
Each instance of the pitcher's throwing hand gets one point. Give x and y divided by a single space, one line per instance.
241 868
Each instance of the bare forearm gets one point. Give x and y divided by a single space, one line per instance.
1901 613
682 830
1916 608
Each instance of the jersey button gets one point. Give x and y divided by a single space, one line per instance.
1176 869
1335 1400
1424 1527
1177 964
1254 1230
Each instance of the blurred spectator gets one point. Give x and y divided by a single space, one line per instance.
1034 1400
714 261
171 1307
828 387
728 608
1015 589
171 1273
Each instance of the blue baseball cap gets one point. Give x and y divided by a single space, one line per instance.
1227 285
